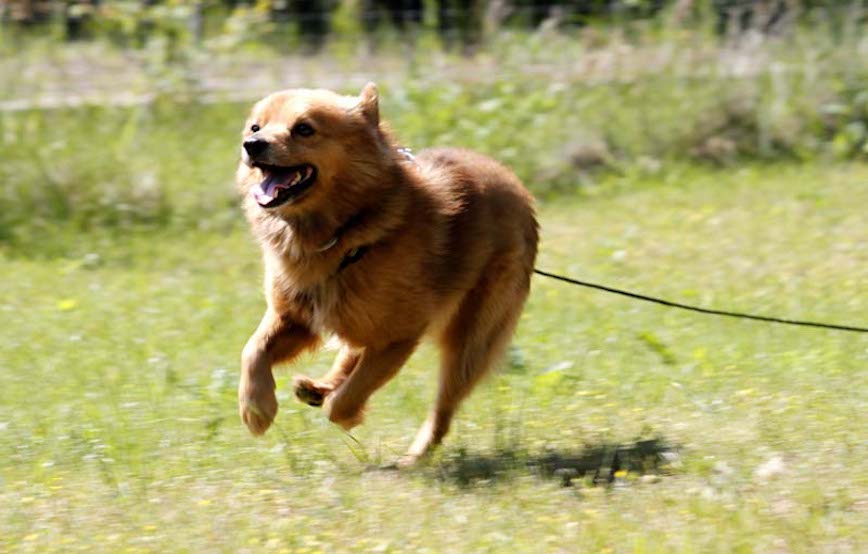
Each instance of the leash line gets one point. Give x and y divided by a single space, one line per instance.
698 309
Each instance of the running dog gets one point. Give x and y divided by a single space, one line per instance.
379 249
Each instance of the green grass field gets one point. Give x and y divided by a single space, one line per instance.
119 430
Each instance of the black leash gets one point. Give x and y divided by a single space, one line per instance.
702 310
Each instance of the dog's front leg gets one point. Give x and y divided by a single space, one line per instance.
277 339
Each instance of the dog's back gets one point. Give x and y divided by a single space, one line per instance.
487 214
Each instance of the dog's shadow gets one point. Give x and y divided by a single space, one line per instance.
601 464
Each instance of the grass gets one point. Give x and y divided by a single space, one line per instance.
666 162
118 425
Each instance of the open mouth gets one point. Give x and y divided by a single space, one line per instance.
282 184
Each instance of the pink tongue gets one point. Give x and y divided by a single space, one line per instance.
266 191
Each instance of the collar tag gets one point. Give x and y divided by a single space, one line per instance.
329 245
407 153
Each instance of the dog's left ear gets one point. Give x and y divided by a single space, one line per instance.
369 103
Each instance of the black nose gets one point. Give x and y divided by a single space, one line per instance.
255 146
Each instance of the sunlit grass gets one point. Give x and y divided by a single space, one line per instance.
118 425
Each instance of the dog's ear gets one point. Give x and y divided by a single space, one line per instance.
369 104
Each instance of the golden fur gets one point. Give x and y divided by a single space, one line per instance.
448 244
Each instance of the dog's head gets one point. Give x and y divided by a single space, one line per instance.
302 145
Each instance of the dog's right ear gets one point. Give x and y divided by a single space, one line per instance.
369 104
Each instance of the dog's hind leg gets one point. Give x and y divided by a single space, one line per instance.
313 391
375 367
472 342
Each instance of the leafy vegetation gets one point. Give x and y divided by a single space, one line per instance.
640 109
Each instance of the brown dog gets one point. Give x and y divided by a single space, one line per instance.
364 242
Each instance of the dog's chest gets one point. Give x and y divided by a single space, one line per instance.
343 301
326 306
326 309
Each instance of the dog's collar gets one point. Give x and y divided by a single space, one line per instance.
354 220
328 246
353 256
356 253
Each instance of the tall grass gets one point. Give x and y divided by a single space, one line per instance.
563 111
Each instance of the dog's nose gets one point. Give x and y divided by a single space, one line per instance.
255 146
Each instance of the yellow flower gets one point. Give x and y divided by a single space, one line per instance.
67 304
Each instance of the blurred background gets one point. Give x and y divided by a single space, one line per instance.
560 91
712 152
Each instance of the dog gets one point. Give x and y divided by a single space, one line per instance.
364 242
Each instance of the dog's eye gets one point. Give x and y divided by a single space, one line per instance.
254 128
302 130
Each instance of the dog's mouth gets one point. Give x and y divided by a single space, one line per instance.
282 184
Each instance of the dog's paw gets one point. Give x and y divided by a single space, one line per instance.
407 461
312 393
257 403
